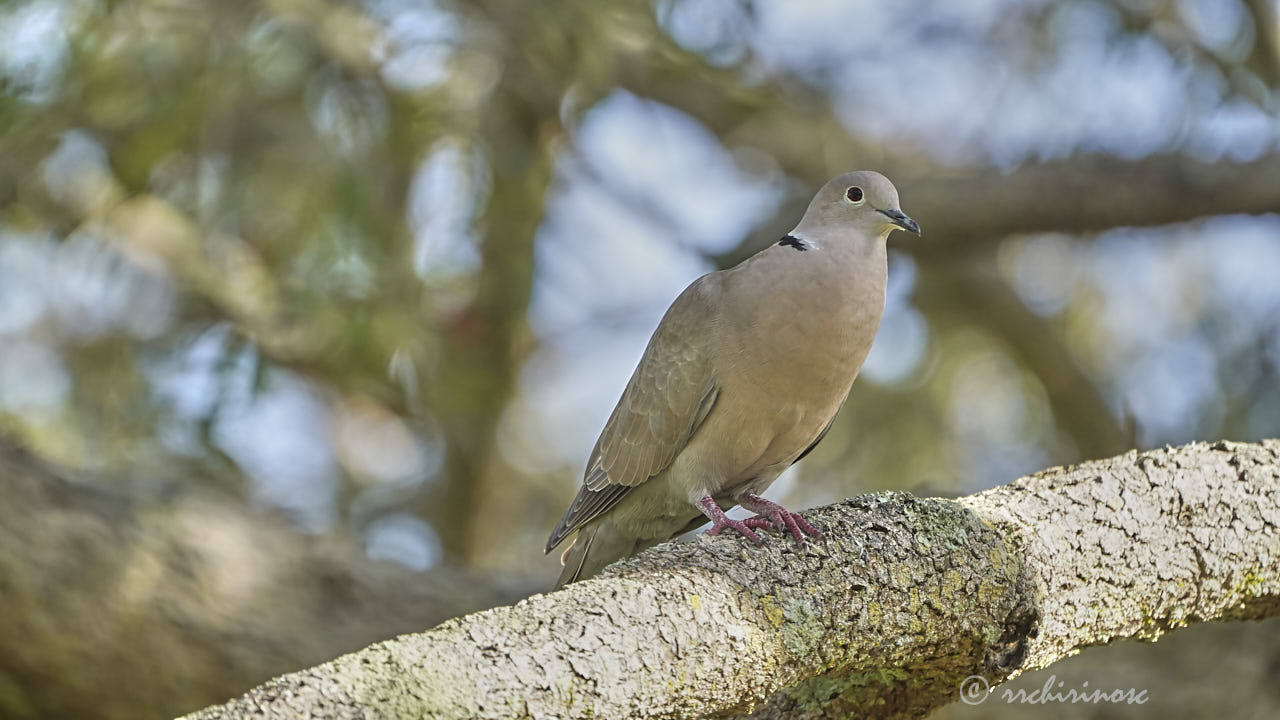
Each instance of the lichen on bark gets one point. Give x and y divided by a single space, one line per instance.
902 599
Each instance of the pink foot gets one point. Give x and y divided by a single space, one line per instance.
720 521
772 515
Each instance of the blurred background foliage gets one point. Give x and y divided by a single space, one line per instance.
297 291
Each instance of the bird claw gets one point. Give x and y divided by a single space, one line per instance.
772 515
739 525
720 521
764 523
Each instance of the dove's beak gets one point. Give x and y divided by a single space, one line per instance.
901 220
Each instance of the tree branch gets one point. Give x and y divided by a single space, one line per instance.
179 595
902 599
1089 193
1078 195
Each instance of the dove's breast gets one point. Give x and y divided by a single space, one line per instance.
799 324
791 333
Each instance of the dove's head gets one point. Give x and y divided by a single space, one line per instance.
863 201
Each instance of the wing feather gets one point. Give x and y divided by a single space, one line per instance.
669 396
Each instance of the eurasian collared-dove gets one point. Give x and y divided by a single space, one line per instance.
742 378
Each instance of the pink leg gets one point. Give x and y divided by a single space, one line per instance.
720 521
771 514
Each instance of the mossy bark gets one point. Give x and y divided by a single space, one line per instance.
900 601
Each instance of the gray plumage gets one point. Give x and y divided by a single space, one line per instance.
743 376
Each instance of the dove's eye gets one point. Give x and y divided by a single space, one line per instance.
854 194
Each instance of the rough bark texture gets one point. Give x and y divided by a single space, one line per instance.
902 599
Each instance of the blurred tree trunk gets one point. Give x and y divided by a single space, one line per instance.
904 605
117 607
487 342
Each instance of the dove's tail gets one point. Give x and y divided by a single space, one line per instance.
575 556
596 545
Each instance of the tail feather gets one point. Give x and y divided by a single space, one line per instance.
575 556
595 546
